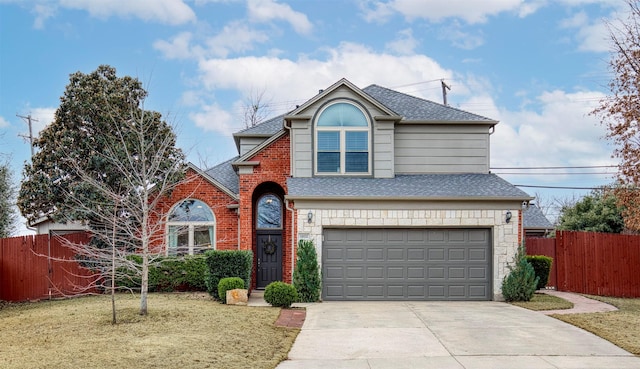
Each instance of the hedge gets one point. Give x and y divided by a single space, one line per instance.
223 264
542 266
168 274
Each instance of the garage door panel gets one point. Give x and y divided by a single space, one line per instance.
400 264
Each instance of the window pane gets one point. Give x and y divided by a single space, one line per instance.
202 239
329 162
342 115
329 141
269 212
357 162
357 141
191 211
178 240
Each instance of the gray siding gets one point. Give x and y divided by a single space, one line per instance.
422 149
248 143
302 149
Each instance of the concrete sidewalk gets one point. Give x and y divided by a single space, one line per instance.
581 304
445 335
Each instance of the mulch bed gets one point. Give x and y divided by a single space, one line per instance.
291 318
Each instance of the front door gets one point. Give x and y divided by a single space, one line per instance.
268 239
269 257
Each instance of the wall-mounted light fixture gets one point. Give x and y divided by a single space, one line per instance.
508 216
309 216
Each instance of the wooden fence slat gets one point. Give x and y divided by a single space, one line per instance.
27 271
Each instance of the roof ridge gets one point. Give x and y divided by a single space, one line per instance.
423 99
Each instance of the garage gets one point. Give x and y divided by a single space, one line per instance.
406 264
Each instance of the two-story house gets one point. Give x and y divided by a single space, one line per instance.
394 190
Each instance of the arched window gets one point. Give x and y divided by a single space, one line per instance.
342 140
269 213
191 228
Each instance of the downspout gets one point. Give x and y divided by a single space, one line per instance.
286 201
293 243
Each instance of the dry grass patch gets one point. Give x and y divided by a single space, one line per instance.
541 301
181 331
620 327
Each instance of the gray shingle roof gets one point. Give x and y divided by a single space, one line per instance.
434 186
267 128
226 175
414 108
534 218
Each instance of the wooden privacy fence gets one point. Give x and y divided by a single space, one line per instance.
40 267
602 264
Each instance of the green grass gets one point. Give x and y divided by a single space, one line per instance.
541 301
181 331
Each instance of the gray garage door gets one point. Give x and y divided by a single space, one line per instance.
406 264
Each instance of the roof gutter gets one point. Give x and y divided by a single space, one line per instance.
404 198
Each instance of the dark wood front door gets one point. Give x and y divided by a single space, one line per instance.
269 263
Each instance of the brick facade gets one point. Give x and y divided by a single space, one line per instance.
269 176
197 187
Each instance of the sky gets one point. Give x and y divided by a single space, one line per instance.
537 66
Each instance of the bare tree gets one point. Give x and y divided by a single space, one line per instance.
255 108
620 112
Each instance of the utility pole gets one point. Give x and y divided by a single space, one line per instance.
444 92
28 120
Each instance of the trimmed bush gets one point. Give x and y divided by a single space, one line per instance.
521 283
306 275
542 266
226 284
280 294
167 274
223 264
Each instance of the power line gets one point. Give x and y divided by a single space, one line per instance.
560 187
553 167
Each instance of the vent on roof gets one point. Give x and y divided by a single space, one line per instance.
320 91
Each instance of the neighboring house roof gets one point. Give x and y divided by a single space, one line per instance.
415 108
425 186
533 218
226 175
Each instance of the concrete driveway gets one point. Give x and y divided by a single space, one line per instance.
445 335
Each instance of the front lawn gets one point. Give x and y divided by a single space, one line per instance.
541 301
181 331
620 327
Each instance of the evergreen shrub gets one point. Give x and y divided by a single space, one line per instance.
542 266
167 274
226 284
521 283
223 264
306 275
280 294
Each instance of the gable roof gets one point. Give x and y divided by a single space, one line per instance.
471 186
533 218
263 129
225 176
417 109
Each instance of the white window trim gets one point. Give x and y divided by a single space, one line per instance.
343 147
191 236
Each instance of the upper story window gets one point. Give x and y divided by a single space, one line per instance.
191 228
342 140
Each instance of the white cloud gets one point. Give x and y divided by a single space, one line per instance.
459 38
591 35
559 132
471 11
268 10
179 47
357 63
42 118
42 12
4 122
213 118
404 44
173 12
235 37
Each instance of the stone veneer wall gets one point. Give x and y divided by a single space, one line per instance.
505 236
